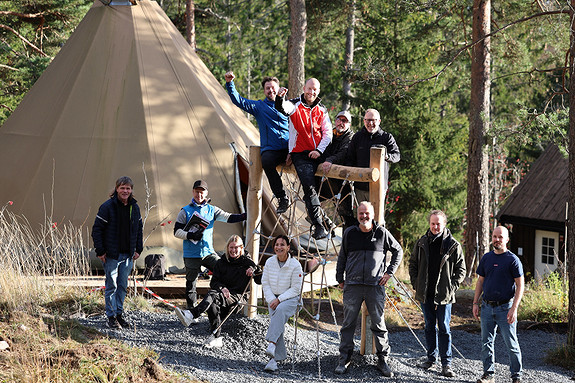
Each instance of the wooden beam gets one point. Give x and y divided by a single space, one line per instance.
341 172
254 214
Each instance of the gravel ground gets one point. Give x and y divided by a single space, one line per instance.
243 356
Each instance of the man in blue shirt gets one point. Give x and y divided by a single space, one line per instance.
198 244
500 279
274 133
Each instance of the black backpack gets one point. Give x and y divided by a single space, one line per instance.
155 267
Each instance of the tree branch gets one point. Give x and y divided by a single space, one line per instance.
34 47
472 44
9 67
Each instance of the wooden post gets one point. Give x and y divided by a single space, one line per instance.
377 191
254 215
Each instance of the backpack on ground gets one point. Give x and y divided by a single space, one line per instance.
155 267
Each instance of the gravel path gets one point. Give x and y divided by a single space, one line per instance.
243 356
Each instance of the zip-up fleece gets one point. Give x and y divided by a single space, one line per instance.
362 256
106 228
309 125
451 269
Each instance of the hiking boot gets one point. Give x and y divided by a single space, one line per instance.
342 366
271 350
426 365
283 205
272 366
486 378
123 322
185 316
384 368
447 371
319 231
114 324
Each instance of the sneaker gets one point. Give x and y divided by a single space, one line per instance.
426 365
447 371
113 323
486 378
272 366
319 231
214 342
342 366
282 205
271 350
384 368
186 317
123 322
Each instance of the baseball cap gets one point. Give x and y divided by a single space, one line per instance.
200 184
344 113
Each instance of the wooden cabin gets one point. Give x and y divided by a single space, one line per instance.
535 214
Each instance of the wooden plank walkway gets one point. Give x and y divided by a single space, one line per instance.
174 285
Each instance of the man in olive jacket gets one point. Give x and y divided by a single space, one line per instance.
436 269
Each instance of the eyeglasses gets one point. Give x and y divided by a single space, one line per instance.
342 119
370 120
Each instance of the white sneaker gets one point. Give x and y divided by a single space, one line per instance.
185 316
213 342
272 366
271 350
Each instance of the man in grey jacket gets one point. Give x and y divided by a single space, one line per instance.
362 259
436 269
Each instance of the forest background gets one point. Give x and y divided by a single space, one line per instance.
412 62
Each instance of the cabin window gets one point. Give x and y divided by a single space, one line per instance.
548 251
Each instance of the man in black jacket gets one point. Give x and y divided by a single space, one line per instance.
358 152
362 259
117 235
436 269
335 153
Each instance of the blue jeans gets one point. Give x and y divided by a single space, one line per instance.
491 318
117 273
437 319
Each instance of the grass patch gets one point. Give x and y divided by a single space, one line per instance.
545 300
563 356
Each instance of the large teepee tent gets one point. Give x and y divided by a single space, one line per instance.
126 91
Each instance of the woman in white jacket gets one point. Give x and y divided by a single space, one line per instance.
282 283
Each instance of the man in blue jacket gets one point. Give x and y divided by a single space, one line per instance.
117 235
198 245
274 133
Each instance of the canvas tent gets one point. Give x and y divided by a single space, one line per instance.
126 91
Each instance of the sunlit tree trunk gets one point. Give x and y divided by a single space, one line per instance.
477 231
349 47
190 24
296 47
571 210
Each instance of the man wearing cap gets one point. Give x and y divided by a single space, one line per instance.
198 244
274 133
335 154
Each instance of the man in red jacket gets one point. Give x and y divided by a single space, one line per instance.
310 132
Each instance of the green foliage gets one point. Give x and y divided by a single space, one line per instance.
563 356
545 300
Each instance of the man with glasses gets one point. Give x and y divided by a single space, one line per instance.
358 153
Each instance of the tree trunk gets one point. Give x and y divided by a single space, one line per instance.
190 24
349 47
571 210
477 231
296 47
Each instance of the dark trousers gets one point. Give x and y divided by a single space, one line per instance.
193 266
217 306
270 160
306 168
